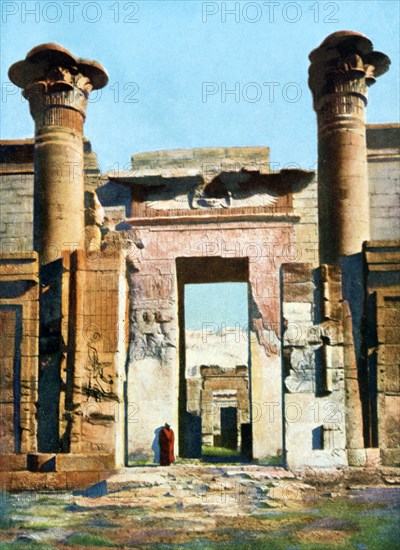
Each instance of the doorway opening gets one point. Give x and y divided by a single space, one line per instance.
215 382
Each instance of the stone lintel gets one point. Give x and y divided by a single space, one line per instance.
205 217
254 158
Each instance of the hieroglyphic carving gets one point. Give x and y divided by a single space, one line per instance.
99 385
152 335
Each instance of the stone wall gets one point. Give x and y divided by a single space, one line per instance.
383 141
19 314
383 337
323 417
92 400
16 191
305 205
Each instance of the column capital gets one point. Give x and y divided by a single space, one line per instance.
52 77
344 64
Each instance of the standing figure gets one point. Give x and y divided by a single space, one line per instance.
166 440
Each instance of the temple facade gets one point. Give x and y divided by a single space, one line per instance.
93 269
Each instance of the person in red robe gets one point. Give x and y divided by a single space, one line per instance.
166 440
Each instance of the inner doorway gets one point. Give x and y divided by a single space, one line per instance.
215 382
229 432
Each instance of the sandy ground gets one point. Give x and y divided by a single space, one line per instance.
196 506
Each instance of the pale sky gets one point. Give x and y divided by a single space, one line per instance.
163 55
189 73
216 305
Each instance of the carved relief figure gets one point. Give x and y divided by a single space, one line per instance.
99 385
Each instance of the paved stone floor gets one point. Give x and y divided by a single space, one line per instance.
197 506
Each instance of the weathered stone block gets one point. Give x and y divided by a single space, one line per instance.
296 273
84 462
313 335
333 357
373 457
392 317
392 377
28 481
298 292
297 311
388 335
7 394
332 291
391 354
356 457
82 480
392 420
30 345
12 462
390 457
332 310
56 481
332 332
302 371
331 273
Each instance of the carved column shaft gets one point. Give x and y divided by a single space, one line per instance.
342 176
341 70
59 183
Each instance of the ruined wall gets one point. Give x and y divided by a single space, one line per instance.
382 259
383 142
16 191
92 396
305 205
313 367
19 372
383 349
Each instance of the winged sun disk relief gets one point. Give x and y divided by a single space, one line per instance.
198 199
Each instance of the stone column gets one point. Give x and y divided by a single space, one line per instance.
57 86
342 68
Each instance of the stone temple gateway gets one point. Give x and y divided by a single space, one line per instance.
93 269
